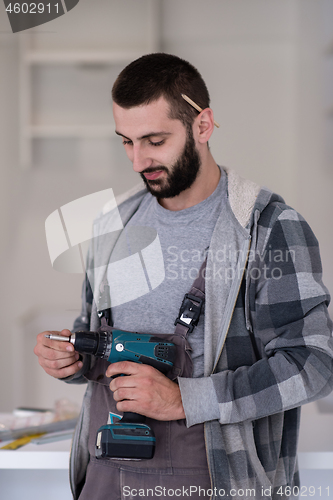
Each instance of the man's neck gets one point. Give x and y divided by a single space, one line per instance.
204 185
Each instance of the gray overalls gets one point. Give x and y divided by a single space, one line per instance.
179 466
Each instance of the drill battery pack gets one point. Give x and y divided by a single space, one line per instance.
132 441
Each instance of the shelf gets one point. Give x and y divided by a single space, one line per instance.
33 456
81 57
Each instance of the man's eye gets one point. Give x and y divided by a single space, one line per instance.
125 143
156 143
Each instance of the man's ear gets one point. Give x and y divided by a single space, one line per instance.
204 125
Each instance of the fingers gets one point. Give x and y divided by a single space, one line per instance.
61 370
52 349
57 358
124 388
127 396
124 394
145 391
132 391
56 344
125 368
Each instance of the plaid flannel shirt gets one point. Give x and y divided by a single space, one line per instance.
277 356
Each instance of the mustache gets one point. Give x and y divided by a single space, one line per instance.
151 170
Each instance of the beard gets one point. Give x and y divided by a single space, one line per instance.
181 175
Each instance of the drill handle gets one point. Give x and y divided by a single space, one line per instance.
131 417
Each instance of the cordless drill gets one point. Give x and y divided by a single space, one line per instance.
127 437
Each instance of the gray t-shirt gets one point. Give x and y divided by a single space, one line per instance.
184 237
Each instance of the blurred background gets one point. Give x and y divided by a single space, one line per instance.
268 65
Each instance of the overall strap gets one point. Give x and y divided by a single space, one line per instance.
192 304
189 311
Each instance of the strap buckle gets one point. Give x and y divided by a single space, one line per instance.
106 314
189 311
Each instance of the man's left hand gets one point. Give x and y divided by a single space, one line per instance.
146 391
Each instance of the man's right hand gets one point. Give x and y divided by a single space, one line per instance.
58 359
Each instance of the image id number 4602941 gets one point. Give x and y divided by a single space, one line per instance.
32 8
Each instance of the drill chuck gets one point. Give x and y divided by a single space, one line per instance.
94 343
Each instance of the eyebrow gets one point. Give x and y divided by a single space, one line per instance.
152 134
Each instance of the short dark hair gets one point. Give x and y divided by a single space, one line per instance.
162 75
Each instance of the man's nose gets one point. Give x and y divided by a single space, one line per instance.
140 159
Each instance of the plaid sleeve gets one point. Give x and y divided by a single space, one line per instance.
292 331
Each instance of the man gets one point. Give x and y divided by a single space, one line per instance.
263 343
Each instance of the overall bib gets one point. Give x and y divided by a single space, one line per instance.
179 466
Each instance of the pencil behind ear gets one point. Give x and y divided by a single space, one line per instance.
195 106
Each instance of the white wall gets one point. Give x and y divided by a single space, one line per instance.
246 52
263 62
264 65
8 135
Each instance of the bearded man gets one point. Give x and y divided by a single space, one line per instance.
227 423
